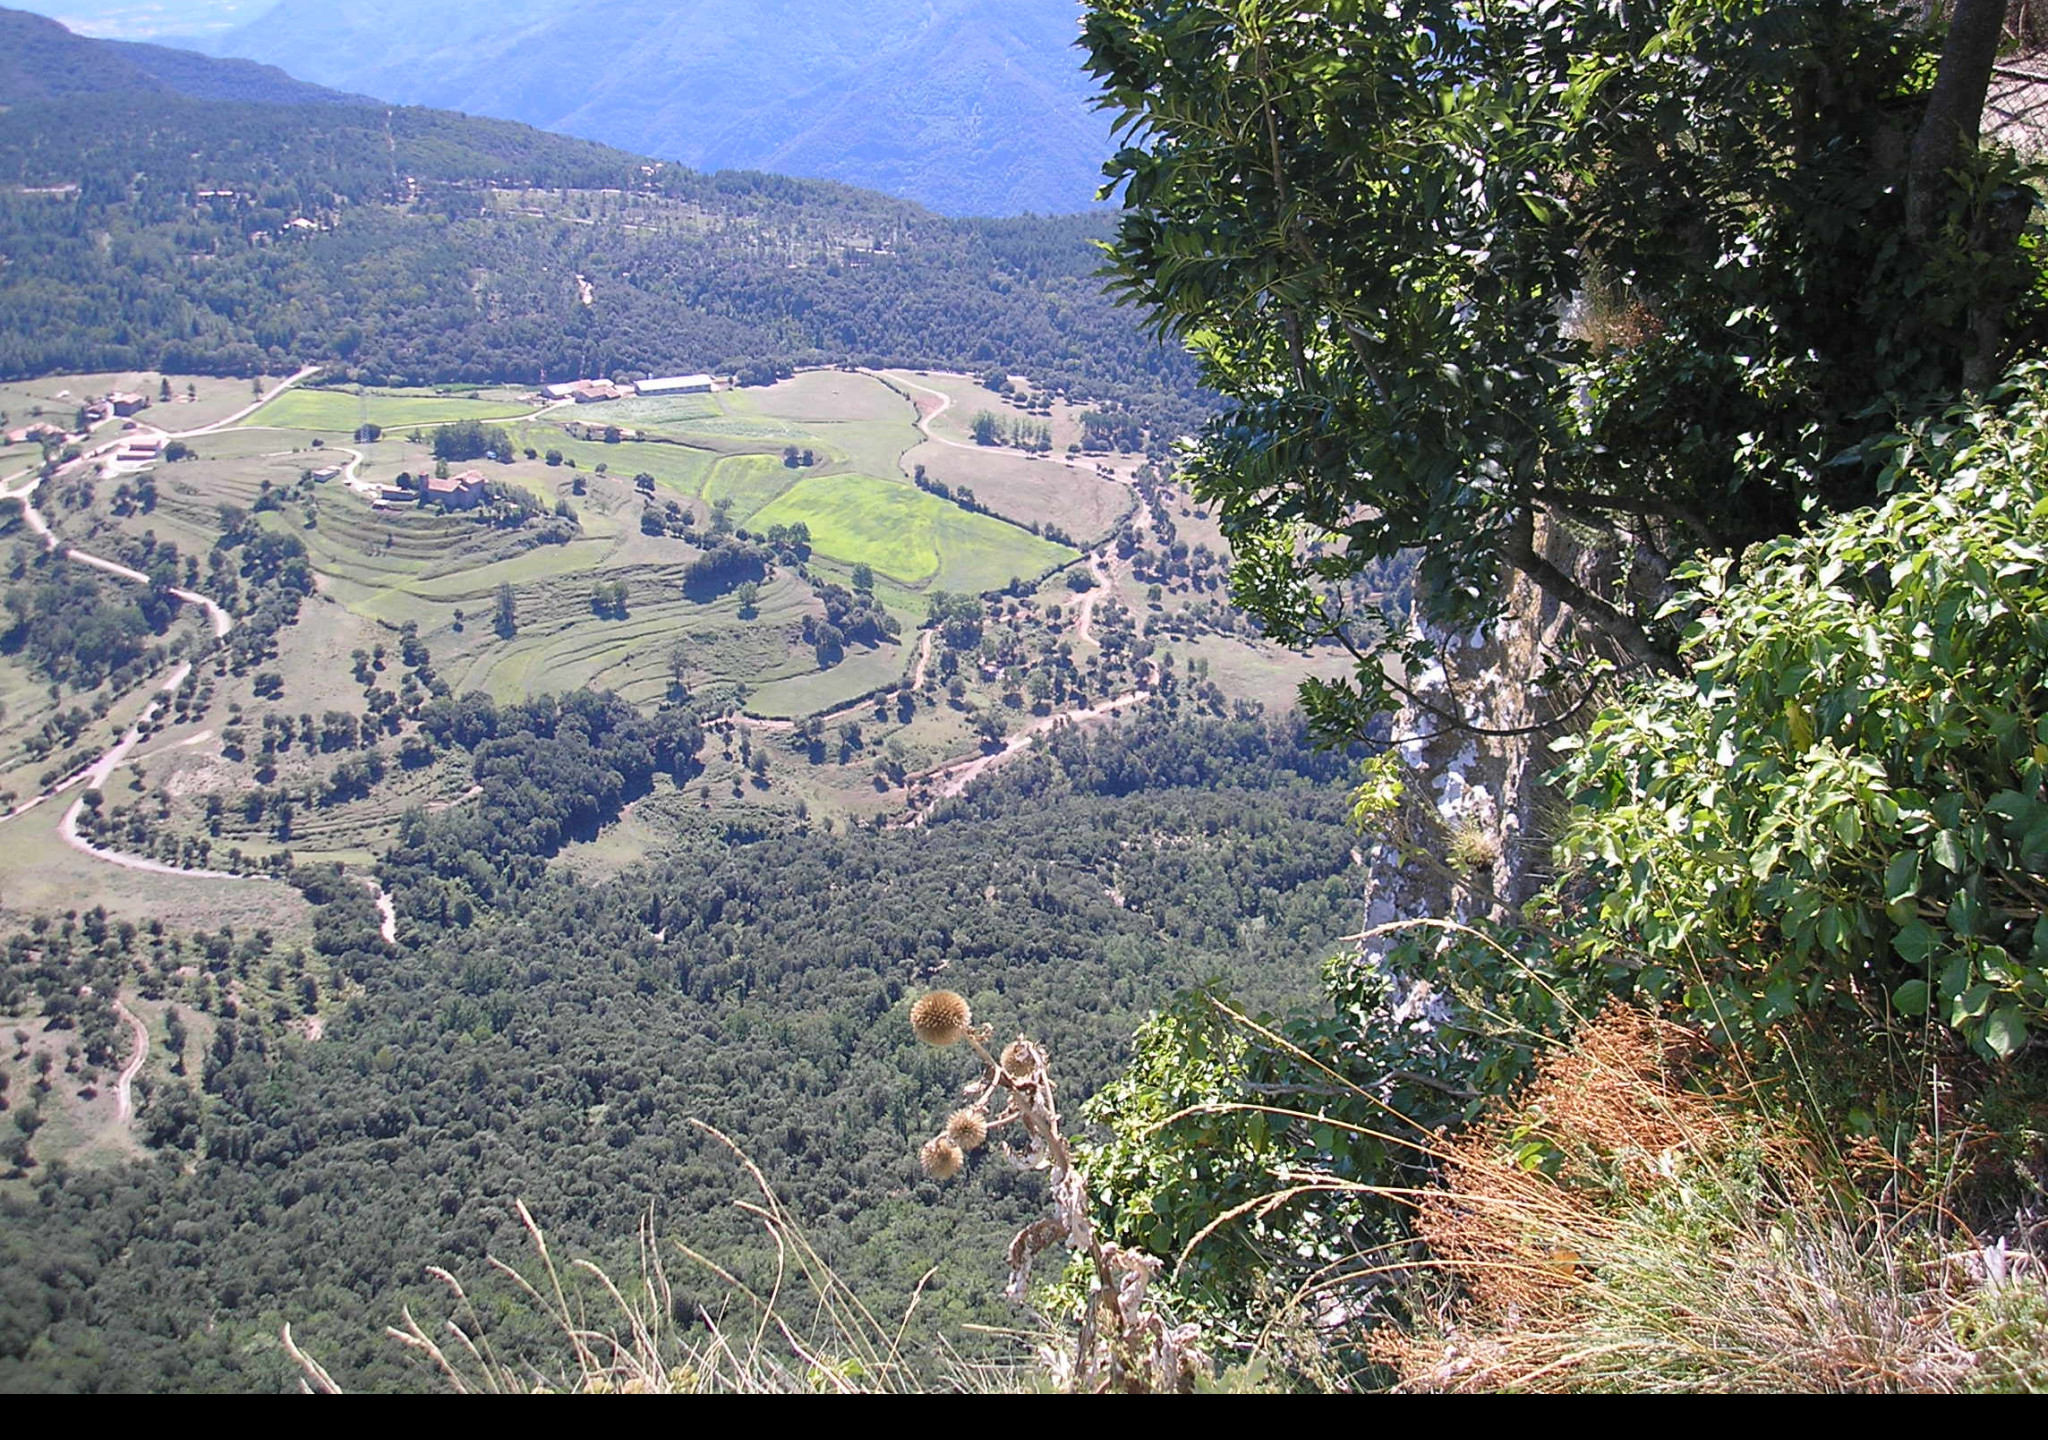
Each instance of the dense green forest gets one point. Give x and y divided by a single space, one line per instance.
407 245
554 1046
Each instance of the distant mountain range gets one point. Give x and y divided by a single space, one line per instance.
408 244
41 60
967 106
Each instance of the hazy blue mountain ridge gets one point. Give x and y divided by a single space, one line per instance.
41 60
968 106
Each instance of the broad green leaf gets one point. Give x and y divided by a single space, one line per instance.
1970 1004
1949 851
1911 998
1955 976
1915 941
2005 1032
1902 877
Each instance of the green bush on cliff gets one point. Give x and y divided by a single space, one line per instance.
1844 806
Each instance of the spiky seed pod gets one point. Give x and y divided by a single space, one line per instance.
941 1158
967 1128
1019 1060
941 1018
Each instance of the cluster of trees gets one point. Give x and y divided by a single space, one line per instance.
792 541
725 562
420 271
471 440
1676 320
851 617
1112 430
990 428
79 629
260 576
608 599
549 771
960 495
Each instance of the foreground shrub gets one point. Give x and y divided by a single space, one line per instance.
1844 807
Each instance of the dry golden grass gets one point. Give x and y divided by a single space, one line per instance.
1620 1230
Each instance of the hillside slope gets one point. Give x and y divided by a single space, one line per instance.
420 246
41 60
968 106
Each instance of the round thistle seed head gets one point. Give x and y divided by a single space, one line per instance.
941 1018
967 1129
1019 1059
941 1158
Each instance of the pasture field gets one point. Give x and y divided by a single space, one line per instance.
679 469
815 691
211 398
728 415
820 396
339 412
1260 672
749 482
848 419
912 537
1043 491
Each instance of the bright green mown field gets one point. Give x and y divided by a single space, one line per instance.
340 411
908 535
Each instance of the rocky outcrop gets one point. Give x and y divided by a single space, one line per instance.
1470 838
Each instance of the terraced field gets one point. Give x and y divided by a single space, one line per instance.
404 565
1044 655
561 643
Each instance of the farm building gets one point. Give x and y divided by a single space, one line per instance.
676 385
326 473
584 392
598 430
35 434
123 402
457 492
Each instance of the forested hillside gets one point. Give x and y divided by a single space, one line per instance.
555 1048
417 245
41 60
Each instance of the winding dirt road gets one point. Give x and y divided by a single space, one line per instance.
951 780
387 914
22 486
124 1088
924 660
